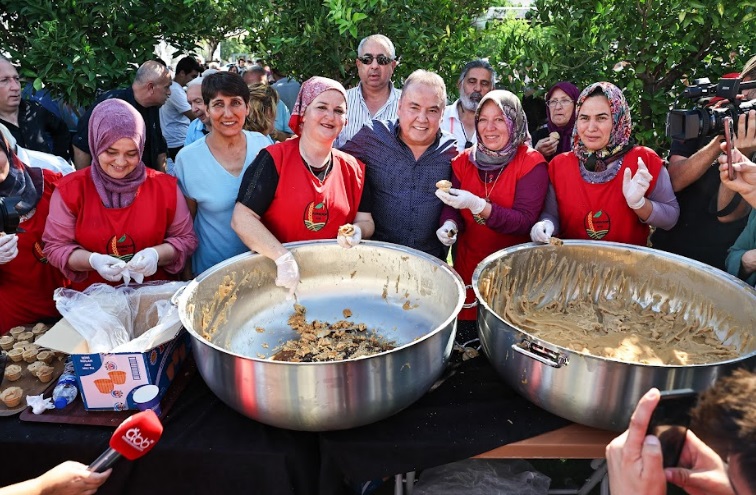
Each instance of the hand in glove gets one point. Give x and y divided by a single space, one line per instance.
635 189
541 231
8 248
143 264
109 267
347 241
461 199
288 272
447 234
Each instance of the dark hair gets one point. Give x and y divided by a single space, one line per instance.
726 418
187 65
225 83
478 64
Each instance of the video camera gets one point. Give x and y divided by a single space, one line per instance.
705 120
9 216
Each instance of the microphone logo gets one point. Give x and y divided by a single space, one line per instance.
133 437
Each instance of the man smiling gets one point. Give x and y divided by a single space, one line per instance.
375 97
404 159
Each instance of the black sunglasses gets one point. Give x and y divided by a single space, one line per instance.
382 59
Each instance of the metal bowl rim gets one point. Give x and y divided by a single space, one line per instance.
192 287
611 245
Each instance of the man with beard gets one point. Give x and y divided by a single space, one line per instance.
375 97
477 79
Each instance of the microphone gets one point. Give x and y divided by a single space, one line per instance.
132 439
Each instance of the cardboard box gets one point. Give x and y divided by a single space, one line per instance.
107 381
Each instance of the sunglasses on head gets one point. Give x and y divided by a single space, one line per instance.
382 59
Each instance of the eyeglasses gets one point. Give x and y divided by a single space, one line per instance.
367 59
558 103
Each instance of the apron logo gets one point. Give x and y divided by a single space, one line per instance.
122 247
315 216
39 253
597 224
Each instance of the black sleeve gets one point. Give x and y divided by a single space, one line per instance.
259 183
540 133
366 201
81 138
61 136
684 148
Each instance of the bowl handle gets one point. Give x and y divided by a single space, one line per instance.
541 354
176 295
472 304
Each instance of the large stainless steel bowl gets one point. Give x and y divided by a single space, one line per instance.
406 295
598 391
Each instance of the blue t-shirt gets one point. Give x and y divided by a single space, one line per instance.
204 180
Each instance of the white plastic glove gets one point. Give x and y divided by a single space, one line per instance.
461 199
109 267
347 241
143 264
288 272
541 231
447 234
8 248
635 189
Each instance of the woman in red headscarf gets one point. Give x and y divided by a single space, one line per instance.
27 281
303 188
117 220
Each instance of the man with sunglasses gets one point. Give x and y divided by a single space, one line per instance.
475 81
375 97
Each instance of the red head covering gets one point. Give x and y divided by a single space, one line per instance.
310 90
111 121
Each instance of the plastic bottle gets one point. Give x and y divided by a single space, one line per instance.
65 391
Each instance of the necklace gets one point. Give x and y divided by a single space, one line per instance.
325 172
479 219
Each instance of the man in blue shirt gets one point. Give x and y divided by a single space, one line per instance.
404 159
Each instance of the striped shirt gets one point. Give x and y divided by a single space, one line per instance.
405 207
358 113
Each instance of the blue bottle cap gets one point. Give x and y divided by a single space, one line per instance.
60 403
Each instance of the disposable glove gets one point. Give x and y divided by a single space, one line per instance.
109 267
8 248
635 189
143 264
447 234
461 199
287 272
347 241
541 231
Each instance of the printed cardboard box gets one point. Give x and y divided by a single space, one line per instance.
107 381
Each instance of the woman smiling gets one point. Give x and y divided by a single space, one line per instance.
210 170
498 188
303 189
607 187
117 220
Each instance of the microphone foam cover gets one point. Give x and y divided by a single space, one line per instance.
137 435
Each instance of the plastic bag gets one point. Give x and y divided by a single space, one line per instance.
109 318
483 477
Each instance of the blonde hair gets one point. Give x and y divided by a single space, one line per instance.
263 100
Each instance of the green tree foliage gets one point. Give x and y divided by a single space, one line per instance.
650 48
75 47
320 37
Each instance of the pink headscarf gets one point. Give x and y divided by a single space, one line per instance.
112 120
310 90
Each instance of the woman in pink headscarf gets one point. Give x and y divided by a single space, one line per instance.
117 220
303 188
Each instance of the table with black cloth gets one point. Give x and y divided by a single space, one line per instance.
209 448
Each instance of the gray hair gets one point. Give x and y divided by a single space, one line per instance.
197 81
378 38
150 71
426 78
479 63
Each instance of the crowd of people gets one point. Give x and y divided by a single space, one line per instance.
256 160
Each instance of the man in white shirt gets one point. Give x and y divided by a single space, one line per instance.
176 113
375 97
475 81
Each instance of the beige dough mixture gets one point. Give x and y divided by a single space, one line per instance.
592 311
